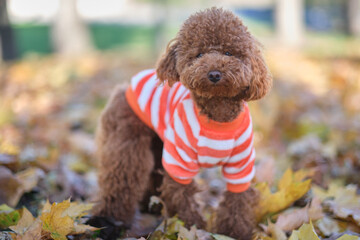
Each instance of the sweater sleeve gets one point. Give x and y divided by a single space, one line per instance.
179 157
239 170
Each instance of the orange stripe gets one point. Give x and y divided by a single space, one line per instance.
141 83
208 165
180 143
132 100
237 188
177 171
182 115
241 162
172 106
206 151
148 104
162 111
181 181
240 174
170 148
243 146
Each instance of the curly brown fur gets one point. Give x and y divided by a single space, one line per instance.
215 33
179 199
220 109
211 40
124 147
235 216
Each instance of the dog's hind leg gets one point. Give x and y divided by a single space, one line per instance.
126 160
179 199
236 215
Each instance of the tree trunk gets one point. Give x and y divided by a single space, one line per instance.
7 51
353 17
70 34
289 22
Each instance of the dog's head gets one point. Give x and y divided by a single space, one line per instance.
214 55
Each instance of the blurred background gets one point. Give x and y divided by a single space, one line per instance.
62 58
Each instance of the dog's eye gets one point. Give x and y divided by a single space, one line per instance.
228 54
199 55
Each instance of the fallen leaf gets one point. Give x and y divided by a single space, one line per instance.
34 231
24 223
343 202
8 216
185 234
275 231
306 232
348 237
291 187
328 226
293 219
221 237
82 228
76 210
10 187
55 223
29 178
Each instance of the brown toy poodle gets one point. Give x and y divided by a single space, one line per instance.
190 113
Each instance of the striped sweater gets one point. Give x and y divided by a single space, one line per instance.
192 140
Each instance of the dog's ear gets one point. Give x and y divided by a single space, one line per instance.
261 81
166 67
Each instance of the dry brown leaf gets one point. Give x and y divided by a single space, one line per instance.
345 202
24 223
289 221
276 232
34 231
10 187
29 178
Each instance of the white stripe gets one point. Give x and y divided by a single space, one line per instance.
170 160
242 155
136 79
155 107
179 93
146 92
234 170
245 179
184 178
211 160
216 144
245 136
179 129
169 135
191 117
184 155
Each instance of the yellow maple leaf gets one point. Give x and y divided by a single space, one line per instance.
291 187
77 210
56 223
305 232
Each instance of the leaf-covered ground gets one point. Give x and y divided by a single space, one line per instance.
307 135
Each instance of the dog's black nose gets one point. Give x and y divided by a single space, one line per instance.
214 76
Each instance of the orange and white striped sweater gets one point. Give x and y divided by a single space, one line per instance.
192 140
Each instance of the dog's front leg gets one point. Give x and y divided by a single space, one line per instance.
236 216
179 199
